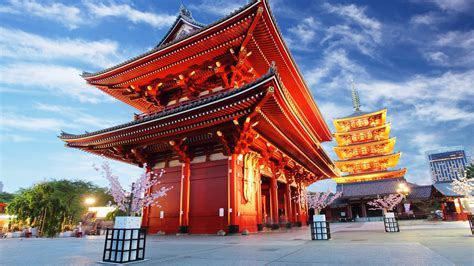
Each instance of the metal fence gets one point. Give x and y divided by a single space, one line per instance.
320 231
391 225
124 245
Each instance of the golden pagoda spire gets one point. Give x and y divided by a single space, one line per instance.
355 98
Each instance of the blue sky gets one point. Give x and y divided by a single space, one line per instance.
414 57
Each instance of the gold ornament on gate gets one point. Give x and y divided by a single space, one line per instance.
251 172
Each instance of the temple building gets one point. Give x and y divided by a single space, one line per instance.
365 150
226 113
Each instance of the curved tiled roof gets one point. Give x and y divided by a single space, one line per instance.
173 110
161 47
370 188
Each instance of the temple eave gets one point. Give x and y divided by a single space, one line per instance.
378 175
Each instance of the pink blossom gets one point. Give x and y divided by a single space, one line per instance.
141 192
386 203
317 200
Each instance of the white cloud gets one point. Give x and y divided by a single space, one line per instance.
303 33
21 122
427 19
359 30
218 7
20 45
101 10
70 16
14 138
433 98
437 57
57 79
454 5
331 110
456 39
452 48
78 118
357 15
334 71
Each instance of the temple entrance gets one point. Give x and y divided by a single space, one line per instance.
356 210
266 202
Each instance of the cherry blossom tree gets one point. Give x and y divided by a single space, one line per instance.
386 203
317 200
463 186
139 195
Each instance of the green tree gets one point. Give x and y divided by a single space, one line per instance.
470 171
52 204
6 197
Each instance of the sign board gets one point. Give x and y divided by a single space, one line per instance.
162 214
319 218
389 215
221 212
127 222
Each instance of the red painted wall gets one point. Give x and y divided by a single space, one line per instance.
169 204
208 194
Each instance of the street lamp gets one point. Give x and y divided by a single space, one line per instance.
403 189
89 201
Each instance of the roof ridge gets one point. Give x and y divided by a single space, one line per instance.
163 46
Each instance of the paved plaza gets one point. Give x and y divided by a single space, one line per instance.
352 243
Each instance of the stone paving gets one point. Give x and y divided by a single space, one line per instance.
352 243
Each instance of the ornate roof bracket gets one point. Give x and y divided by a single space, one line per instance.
181 149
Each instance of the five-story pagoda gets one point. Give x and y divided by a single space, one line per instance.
365 148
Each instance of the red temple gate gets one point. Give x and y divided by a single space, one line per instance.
233 131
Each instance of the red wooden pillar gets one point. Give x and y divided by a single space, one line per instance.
364 210
146 210
232 194
259 204
349 211
294 217
185 191
302 209
274 202
288 204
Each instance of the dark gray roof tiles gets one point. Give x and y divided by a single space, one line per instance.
420 192
369 188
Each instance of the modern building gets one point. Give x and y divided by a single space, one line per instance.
227 114
1 186
447 164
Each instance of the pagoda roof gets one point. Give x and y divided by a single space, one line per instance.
365 144
362 130
277 122
377 175
263 39
369 188
360 114
369 158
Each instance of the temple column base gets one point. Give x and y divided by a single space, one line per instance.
275 226
299 224
183 229
260 227
233 229
288 225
